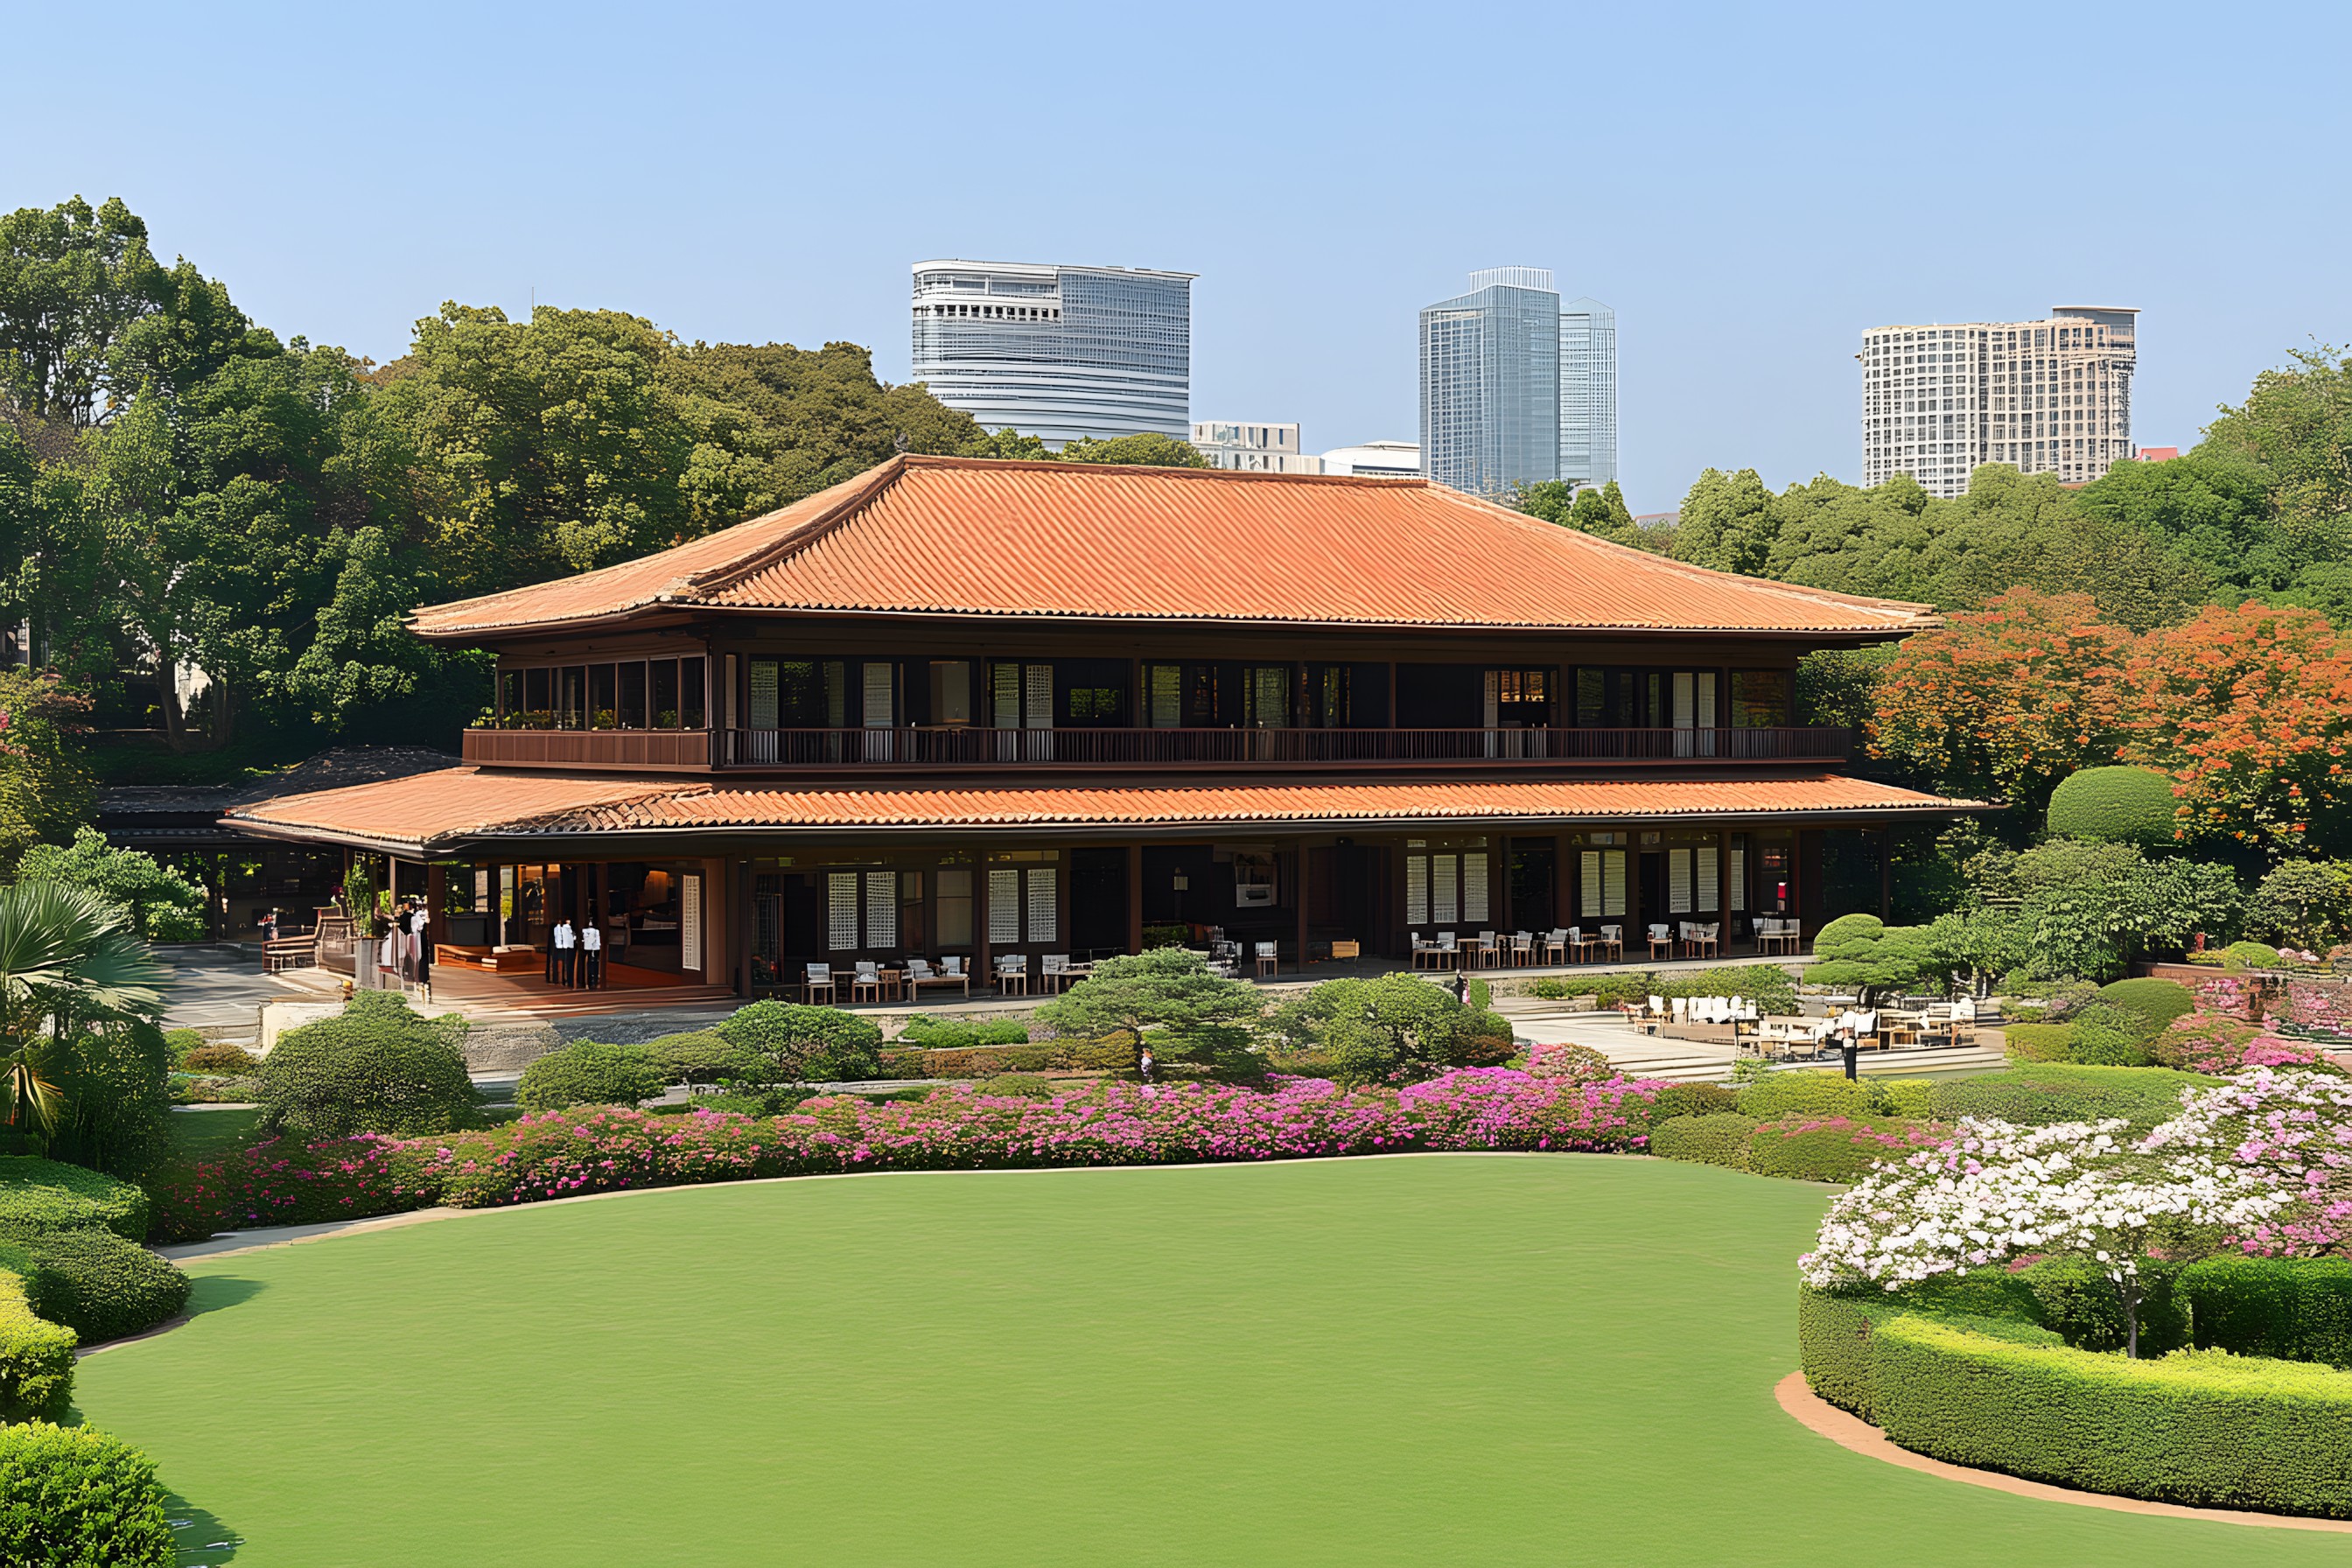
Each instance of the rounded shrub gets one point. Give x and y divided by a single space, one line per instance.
2158 1001
103 1287
1693 1099
1716 1140
1783 1094
809 1044
2104 1035
375 1067
2038 1042
75 1497
38 1195
696 1056
36 1356
585 1073
2251 955
2118 805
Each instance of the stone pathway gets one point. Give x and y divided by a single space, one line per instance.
217 989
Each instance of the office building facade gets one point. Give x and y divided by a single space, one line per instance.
1058 353
1254 448
1515 389
2046 397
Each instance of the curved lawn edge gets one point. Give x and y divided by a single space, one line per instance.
1852 1432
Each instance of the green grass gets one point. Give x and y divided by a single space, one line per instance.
1427 1360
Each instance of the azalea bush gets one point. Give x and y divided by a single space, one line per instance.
2211 1043
957 1127
2320 1006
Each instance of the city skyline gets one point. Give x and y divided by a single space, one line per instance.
1742 271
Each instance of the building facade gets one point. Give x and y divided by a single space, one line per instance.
1254 449
1376 461
2046 397
1588 393
1515 389
1058 353
975 710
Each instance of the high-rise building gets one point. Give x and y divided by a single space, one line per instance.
1515 390
1254 448
1588 393
1058 353
2046 397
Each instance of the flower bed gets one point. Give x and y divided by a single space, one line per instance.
564 1153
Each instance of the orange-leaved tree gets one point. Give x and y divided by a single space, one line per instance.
2250 710
2008 700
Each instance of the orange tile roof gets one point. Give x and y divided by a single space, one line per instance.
968 536
461 804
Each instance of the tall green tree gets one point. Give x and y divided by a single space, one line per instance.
1148 449
1728 524
74 280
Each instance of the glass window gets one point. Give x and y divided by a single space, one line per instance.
573 705
665 694
1759 698
603 697
631 707
950 691
955 906
510 694
538 697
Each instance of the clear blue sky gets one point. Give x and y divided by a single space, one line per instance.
1750 187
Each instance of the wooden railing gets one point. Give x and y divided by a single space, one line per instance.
969 747
671 748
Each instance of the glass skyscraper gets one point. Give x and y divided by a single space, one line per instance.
1058 353
1515 390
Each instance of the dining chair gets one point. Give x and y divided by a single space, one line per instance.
819 980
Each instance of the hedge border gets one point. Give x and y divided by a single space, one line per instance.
2200 1429
36 1356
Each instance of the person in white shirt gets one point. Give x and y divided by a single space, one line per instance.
563 947
592 957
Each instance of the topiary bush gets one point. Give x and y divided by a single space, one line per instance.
1834 1148
375 1067
73 1497
38 1195
696 1056
2252 955
811 1044
586 1073
2104 1035
2158 1001
2038 1042
1693 1099
1716 1140
2117 804
933 1034
36 1356
1803 1093
103 1287
1910 1098
2051 1092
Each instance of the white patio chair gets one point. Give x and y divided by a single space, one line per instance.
819 979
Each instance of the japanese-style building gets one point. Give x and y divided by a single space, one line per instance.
967 707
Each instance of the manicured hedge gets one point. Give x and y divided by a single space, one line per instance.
103 1287
38 1195
1780 1094
2201 1427
1694 1099
2122 804
72 1497
924 1032
1834 1148
2038 1042
988 1061
2051 1092
37 1357
696 1056
2294 1309
375 1067
1718 1139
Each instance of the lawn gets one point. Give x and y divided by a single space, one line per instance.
1433 1358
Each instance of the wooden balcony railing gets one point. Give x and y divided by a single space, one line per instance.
666 749
963 747
957 747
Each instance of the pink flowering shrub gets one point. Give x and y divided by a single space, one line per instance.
1836 1147
2209 1043
958 1127
2323 1007
1563 1059
2224 994
286 1182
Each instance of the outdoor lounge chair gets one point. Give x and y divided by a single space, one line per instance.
865 985
1558 943
1613 942
819 979
1053 971
921 974
1266 964
1661 937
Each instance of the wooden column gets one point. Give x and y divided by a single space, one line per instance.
1563 905
1135 897
1498 884
979 963
1298 885
1637 928
1723 889
437 887
1807 894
